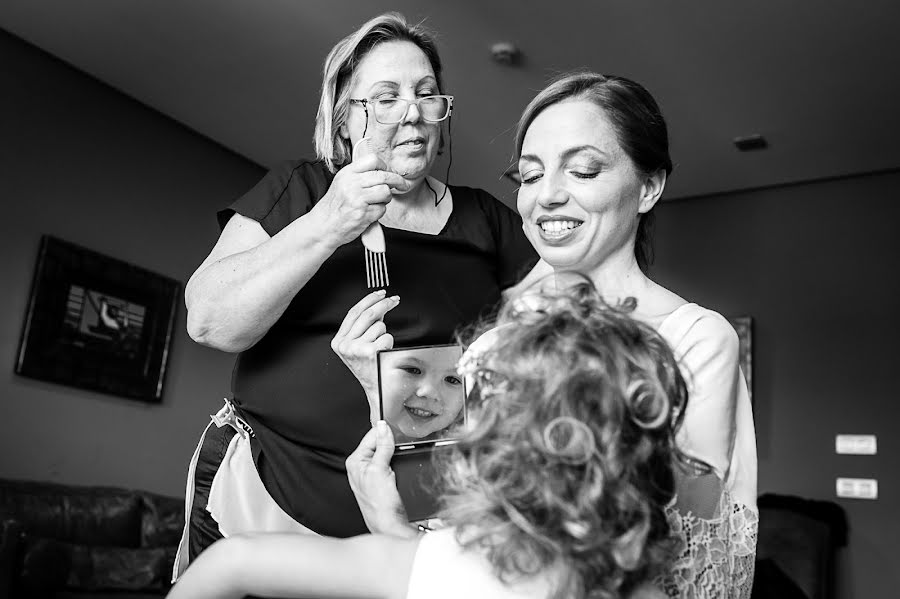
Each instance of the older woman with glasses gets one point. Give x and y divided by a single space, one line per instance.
299 250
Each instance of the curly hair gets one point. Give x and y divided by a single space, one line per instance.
567 464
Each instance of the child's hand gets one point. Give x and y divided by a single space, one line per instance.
374 485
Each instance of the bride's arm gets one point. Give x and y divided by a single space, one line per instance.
294 565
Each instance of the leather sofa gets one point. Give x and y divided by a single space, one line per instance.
66 542
63 541
798 544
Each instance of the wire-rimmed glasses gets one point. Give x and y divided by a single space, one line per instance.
390 111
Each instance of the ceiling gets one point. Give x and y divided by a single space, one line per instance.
819 79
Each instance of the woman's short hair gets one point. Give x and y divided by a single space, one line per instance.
339 70
568 461
636 118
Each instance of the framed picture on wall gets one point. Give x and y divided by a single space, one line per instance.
744 327
98 323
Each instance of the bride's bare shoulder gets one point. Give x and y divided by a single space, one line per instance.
657 304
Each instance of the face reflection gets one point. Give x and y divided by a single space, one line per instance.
395 69
581 194
421 392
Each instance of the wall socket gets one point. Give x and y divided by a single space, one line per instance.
856 444
857 488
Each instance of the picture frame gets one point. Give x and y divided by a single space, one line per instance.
743 326
98 323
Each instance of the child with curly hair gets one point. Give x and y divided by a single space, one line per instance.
556 489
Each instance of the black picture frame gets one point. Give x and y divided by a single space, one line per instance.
743 326
98 323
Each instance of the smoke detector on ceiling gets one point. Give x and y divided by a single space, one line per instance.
506 53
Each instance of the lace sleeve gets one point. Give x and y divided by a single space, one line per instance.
716 556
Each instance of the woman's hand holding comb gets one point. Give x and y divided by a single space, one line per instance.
358 196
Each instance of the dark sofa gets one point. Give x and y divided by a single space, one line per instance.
64 541
799 540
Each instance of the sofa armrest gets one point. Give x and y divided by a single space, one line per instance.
801 537
10 555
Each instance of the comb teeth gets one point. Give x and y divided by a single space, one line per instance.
373 236
376 269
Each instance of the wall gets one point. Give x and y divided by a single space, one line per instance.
81 161
816 266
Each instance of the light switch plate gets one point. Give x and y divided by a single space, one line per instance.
856 444
857 488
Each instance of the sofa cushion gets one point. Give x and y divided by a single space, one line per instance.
162 522
120 569
45 566
83 515
56 565
10 546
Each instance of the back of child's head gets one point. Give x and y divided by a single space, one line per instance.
568 460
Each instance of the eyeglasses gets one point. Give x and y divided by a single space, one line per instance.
390 111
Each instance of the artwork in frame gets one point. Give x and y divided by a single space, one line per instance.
744 327
97 323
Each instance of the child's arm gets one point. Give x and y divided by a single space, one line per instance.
296 566
374 484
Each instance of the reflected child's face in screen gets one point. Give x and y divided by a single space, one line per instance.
422 393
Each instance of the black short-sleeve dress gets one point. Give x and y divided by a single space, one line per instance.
307 410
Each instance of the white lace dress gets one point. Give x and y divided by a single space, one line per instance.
714 516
